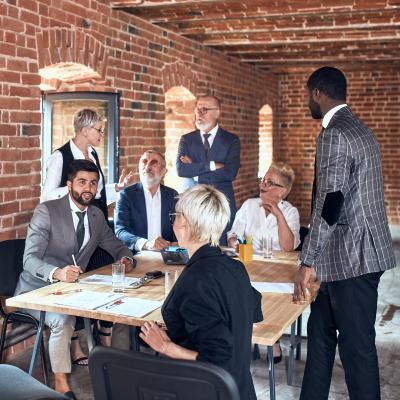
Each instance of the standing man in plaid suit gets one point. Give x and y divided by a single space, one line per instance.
348 246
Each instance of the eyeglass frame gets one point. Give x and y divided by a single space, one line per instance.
172 217
203 110
269 183
99 130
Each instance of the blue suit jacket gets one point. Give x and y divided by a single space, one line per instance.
225 149
131 217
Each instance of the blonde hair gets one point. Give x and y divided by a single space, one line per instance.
206 211
286 172
86 117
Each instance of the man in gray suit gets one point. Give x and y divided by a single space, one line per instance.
348 246
59 229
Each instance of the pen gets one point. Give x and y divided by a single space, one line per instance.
73 259
60 292
116 303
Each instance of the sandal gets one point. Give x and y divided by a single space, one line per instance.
101 333
81 361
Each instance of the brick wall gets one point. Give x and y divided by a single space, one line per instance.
125 54
375 97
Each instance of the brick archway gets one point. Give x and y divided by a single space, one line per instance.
178 74
69 55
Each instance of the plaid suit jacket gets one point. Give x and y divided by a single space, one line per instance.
348 160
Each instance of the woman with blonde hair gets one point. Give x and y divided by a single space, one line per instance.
206 319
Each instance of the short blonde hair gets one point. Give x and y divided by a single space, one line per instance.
206 211
86 117
286 172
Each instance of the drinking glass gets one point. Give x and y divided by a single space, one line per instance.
118 277
267 246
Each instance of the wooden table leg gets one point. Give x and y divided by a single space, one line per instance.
271 370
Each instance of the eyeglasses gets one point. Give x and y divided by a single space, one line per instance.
101 131
268 183
203 110
172 217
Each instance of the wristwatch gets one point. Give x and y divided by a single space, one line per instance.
302 264
132 261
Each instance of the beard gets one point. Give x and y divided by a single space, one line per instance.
203 126
79 198
149 180
315 109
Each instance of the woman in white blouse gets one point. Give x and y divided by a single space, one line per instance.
269 215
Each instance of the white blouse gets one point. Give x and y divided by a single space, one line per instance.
51 188
251 220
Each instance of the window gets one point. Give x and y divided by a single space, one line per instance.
58 114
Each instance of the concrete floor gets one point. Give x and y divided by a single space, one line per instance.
388 344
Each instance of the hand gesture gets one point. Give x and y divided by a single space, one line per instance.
155 337
302 284
69 273
270 203
185 159
156 244
128 264
125 180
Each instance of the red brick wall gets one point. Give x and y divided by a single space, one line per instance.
375 97
137 64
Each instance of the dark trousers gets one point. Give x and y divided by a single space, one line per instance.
343 314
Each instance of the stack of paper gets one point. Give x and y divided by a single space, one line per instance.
273 287
89 300
131 307
98 279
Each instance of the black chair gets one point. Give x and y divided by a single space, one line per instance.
303 233
122 375
16 384
24 325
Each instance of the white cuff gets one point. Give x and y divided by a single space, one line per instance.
51 275
212 166
196 178
140 243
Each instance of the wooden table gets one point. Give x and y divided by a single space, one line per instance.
278 308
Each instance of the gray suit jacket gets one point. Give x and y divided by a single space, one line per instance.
349 234
51 241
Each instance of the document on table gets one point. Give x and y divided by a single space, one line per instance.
98 279
273 287
131 307
89 300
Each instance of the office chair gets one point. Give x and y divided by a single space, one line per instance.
122 375
16 384
24 325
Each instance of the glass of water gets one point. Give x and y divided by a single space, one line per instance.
267 246
118 277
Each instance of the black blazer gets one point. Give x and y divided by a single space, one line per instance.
130 215
211 310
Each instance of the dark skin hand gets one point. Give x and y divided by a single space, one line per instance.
302 283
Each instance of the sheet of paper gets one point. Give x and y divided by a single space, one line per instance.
98 279
88 300
132 307
273 287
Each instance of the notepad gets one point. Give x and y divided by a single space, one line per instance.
132 307
106 280
273 287
89 300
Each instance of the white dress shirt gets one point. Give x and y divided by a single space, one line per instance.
75 219
328 116
212 133
251 220
51 187
153 212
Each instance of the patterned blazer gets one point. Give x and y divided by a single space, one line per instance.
349 233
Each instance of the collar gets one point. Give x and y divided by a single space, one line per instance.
73 206
204 251
328 116
212 132
147 192
76 151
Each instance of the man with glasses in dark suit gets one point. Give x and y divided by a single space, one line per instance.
348 247
210 155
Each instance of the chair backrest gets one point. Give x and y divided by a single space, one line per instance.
11 265
122 375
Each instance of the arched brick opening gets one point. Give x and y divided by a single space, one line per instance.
71 56
179 119
265 144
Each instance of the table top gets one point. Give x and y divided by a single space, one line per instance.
278 308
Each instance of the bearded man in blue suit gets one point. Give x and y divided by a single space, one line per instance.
210 154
